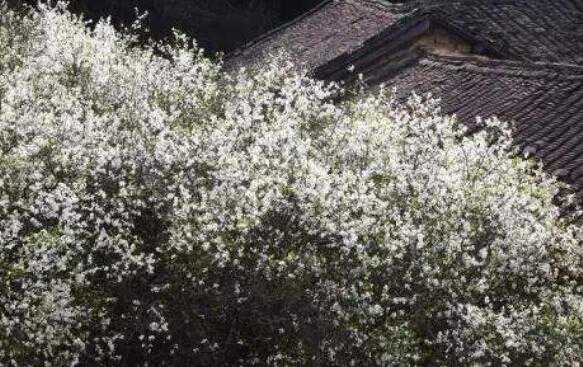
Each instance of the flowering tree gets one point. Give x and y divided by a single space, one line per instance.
157 211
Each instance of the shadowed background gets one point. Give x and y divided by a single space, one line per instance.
218 25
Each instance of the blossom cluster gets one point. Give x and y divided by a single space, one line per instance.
156 210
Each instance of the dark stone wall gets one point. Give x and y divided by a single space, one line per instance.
218 25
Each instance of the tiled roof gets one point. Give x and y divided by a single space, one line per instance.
332 28
544 100
534 30
529 30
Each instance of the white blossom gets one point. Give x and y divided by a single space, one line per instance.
155 207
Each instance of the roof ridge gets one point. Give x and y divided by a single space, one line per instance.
565 70
386 3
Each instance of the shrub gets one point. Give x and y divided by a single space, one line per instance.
157 211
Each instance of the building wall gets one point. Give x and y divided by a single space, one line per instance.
441 42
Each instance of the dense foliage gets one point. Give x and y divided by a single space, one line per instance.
157 211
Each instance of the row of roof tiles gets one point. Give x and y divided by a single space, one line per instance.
327 31
545 102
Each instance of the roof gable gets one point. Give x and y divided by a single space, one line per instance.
404 41
529 30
